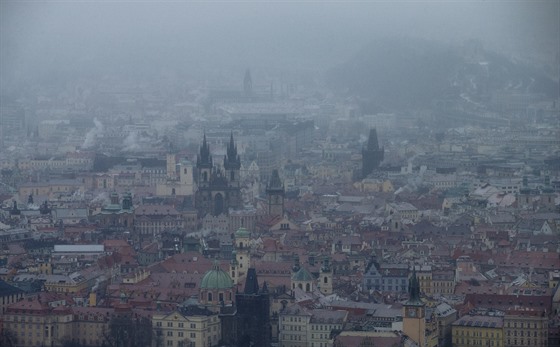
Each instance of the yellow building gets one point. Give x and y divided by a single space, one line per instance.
472 330
300 327
8 295
424 274
72 283
91 325
186 327
414 313
374 185
443 282
35 323
50 189
525 328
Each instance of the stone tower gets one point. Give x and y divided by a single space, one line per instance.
325 278
372 155
414 321
248 83
253 313
275 195
217 188
547 196
242 254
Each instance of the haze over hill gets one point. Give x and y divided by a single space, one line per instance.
403 73
60 41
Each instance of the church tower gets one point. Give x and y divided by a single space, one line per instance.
234 267
243 256
248 83
217 188
171 162
253 313
325 278
204 164
372 155
232 163
414 321
524 198
547 196
275 195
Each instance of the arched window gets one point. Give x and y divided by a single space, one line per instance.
209 296
326 280
172 191
300 286
307 287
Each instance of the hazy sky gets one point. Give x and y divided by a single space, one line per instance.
104 36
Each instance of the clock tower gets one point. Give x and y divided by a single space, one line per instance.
275 194
414 315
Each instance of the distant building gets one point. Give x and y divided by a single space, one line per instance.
478 330
372 155
253 313
217 188
117 214
275 195
187 326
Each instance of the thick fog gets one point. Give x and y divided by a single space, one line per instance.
46 40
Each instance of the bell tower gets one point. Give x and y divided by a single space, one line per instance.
248 83
547 196
242 255
325 278
275 195
232 163
372 155
204 164
414 320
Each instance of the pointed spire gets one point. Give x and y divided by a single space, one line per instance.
204 158
248 83
251 283
296 266
414 289
275 183
231 159
373 144
326 266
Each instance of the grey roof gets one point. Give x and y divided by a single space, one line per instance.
79 248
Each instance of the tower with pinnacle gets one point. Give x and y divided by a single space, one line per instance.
217 187
253 313
414 319
275 195
372 155
325 278
248 84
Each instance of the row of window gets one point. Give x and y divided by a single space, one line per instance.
521 325
179 325
483 342
527 333
475 333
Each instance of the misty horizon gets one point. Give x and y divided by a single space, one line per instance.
67 40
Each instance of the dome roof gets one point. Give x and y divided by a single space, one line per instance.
242 233
302 275
216 279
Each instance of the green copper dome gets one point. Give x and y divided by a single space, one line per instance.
216 279
242 233
302 275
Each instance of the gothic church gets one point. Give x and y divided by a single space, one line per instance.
218 187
